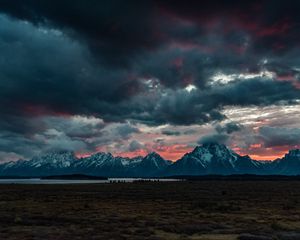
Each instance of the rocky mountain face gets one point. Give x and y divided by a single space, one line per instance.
49 164
99 164
151 165
203 160
214 159
289 164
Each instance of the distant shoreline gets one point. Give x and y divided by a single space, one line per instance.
74 177
241 177
58 177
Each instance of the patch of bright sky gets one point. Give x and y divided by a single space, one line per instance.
222 78
285 115
190 87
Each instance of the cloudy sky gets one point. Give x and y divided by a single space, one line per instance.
130 77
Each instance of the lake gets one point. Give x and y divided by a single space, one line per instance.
58 181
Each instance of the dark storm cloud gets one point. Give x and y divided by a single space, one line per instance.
131 61
171 133
279 136
135 145
53 134
229 128
273 23
114 29
76 127
214 138
223 133
43 72
118 31
257 91
126 130
172 67
183 107
175 67
53 74
65 134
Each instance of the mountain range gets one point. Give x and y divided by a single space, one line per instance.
210 158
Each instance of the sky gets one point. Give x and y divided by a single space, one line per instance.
132 77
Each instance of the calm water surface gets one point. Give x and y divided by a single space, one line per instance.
54 181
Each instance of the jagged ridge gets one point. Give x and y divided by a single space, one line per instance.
209 158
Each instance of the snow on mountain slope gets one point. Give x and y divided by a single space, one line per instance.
151 165
213 158
206 159
55 160
50 163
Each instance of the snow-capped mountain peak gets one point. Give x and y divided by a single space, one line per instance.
219 150
98 159
211 152
53 159
209 158
213 158
153 157
154 161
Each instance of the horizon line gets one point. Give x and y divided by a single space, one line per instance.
144 153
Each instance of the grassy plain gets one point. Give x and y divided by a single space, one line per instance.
204 210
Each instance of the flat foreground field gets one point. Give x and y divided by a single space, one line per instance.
212 210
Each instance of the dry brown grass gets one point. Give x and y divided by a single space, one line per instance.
207 210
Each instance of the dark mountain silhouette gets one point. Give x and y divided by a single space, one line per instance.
208 159
288 165
214 159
